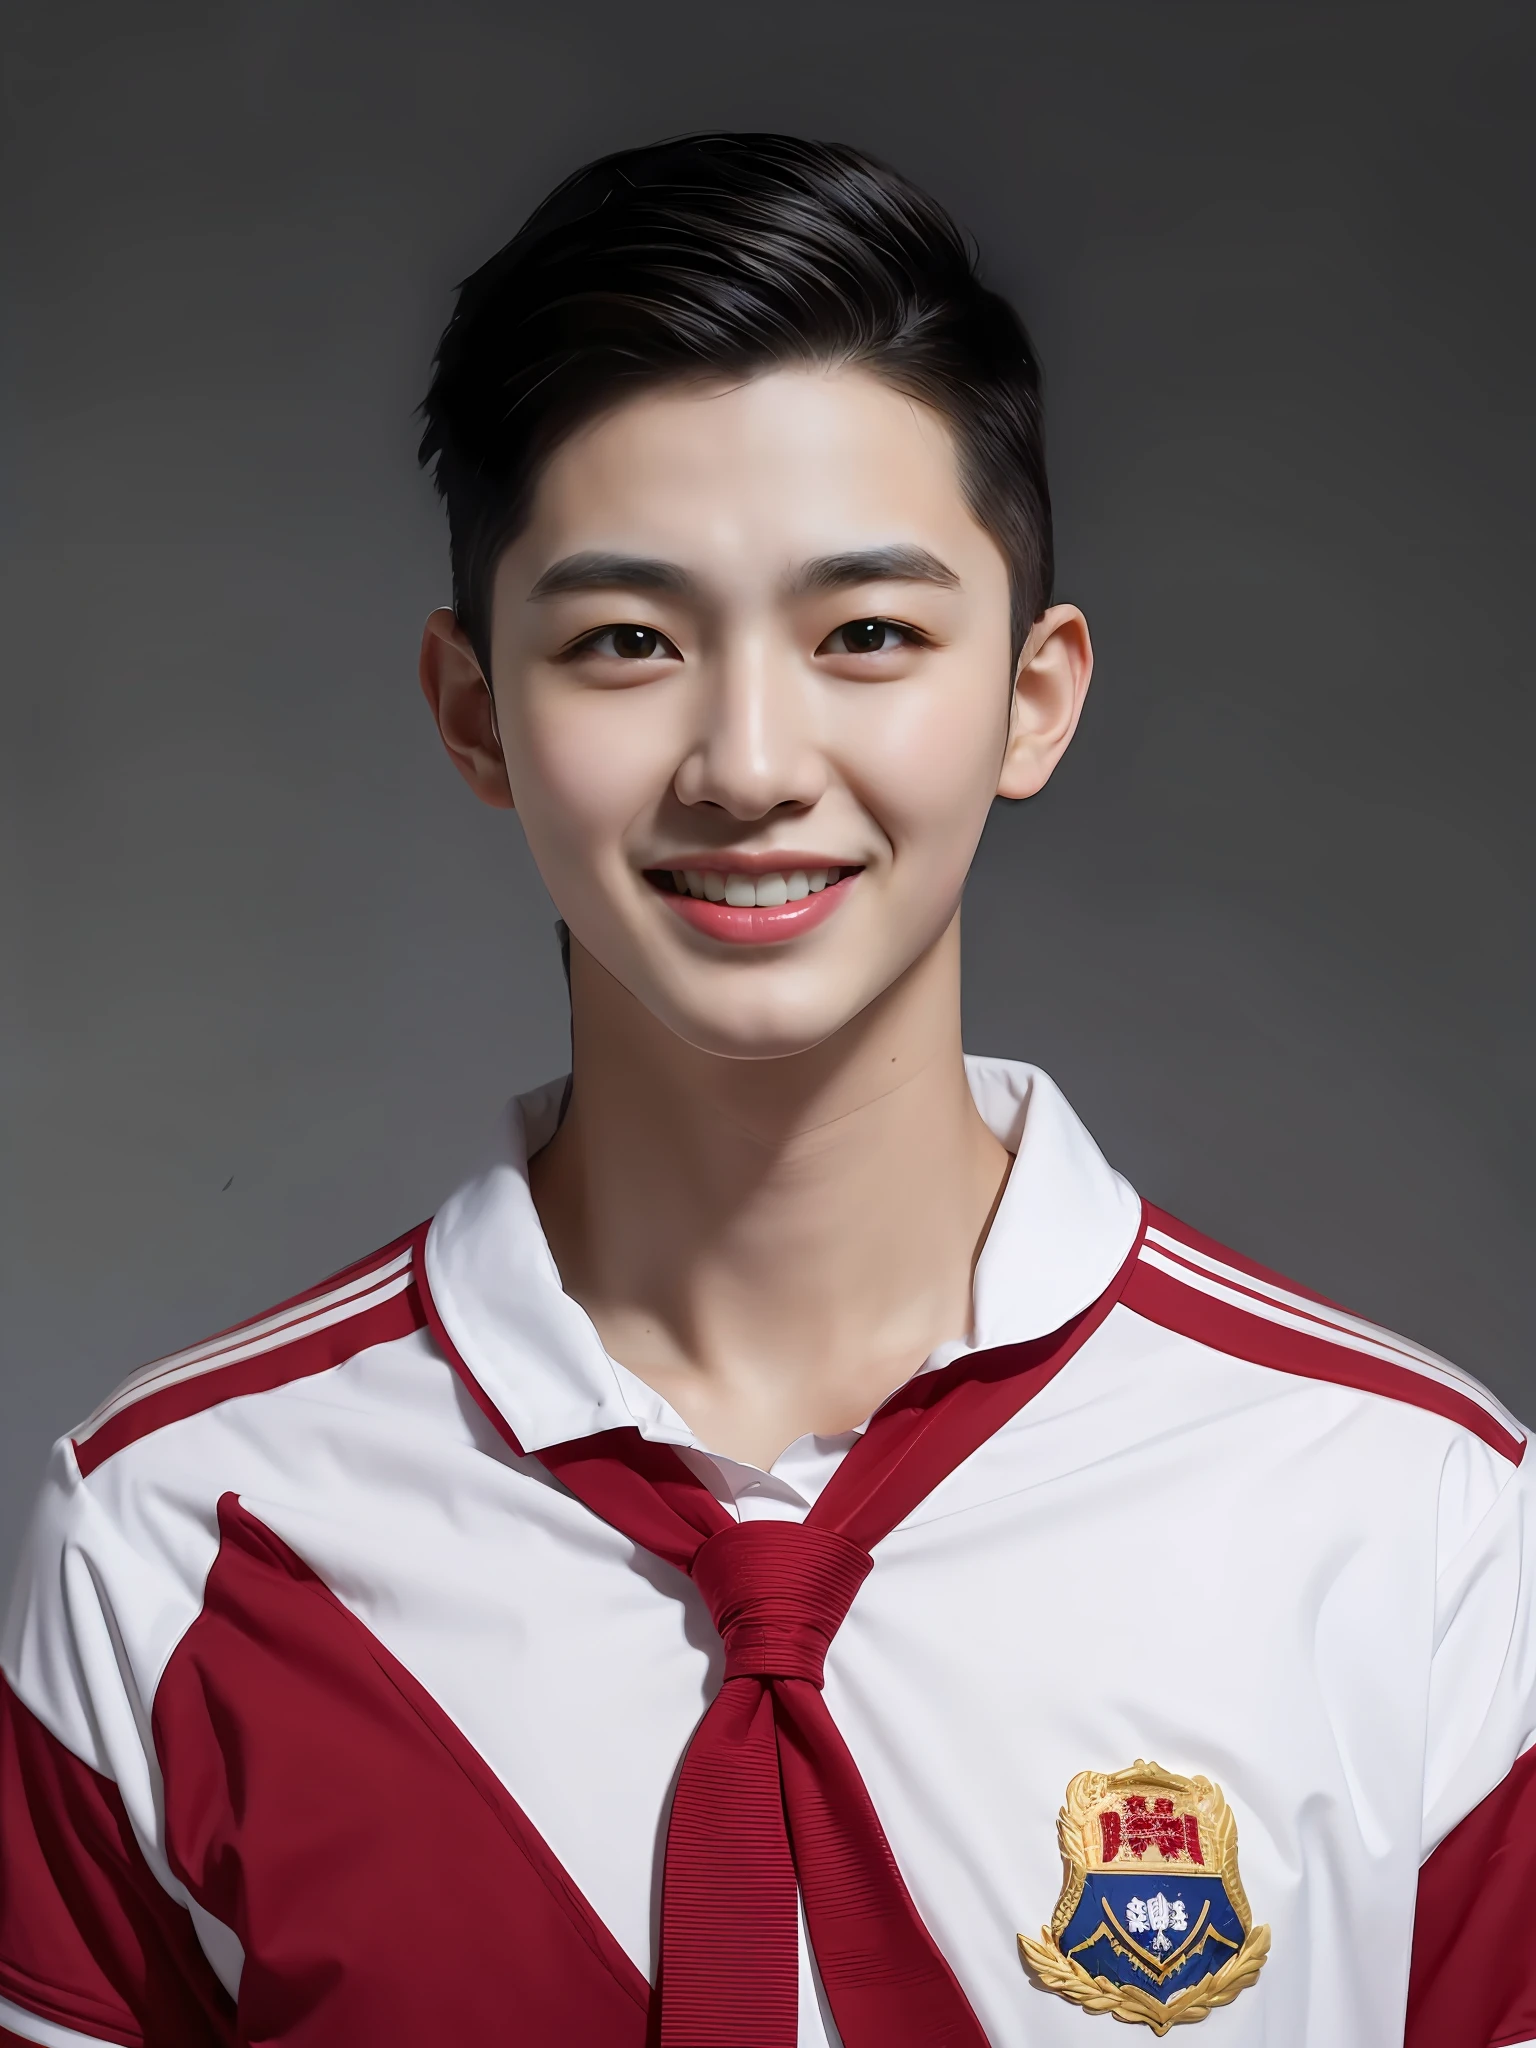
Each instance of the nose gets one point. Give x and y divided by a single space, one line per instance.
755 746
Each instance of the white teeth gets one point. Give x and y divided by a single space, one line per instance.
749 892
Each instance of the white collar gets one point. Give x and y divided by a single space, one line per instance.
1062 1230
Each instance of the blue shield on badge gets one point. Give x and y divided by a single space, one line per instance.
1152 1929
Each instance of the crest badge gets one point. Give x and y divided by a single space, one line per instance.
1152 1925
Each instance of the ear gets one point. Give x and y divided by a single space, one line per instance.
1048 691
460 696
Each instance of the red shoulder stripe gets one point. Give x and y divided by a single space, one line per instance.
1186 1282
1201 1260
372 1302
1264 1297
1195 1242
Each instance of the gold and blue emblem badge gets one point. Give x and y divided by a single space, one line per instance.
1152 1925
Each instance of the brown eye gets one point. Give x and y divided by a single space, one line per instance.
866 636
629 643
636 643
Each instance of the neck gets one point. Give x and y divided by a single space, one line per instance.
774 1245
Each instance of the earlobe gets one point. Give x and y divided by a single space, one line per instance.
1050 684
460 698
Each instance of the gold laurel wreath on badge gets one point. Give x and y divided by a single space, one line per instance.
1052 1970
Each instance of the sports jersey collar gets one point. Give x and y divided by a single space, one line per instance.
1064 1225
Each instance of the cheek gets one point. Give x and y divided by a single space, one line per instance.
926 767
583 769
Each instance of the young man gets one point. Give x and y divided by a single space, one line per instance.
704 1586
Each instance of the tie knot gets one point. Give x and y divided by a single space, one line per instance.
778 1592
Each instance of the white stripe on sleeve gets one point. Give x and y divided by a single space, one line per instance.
16 2020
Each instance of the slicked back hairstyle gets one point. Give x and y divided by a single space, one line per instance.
727 256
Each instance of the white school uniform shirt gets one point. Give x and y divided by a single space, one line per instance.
1242 1534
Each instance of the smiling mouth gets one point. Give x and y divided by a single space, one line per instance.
748 892
754 910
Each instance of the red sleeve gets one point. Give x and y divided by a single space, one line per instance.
1473 1981
89 1940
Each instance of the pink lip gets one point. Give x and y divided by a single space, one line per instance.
766 925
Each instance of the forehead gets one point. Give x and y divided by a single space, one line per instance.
785 466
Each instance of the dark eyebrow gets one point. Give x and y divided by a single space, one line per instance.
895 564
594 571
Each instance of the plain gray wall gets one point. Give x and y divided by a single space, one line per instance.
269 970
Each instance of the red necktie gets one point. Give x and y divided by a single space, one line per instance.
768 1795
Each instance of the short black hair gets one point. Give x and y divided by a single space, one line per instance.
727 255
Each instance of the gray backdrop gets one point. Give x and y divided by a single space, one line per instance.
269 970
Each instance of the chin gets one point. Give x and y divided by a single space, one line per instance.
757 1029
